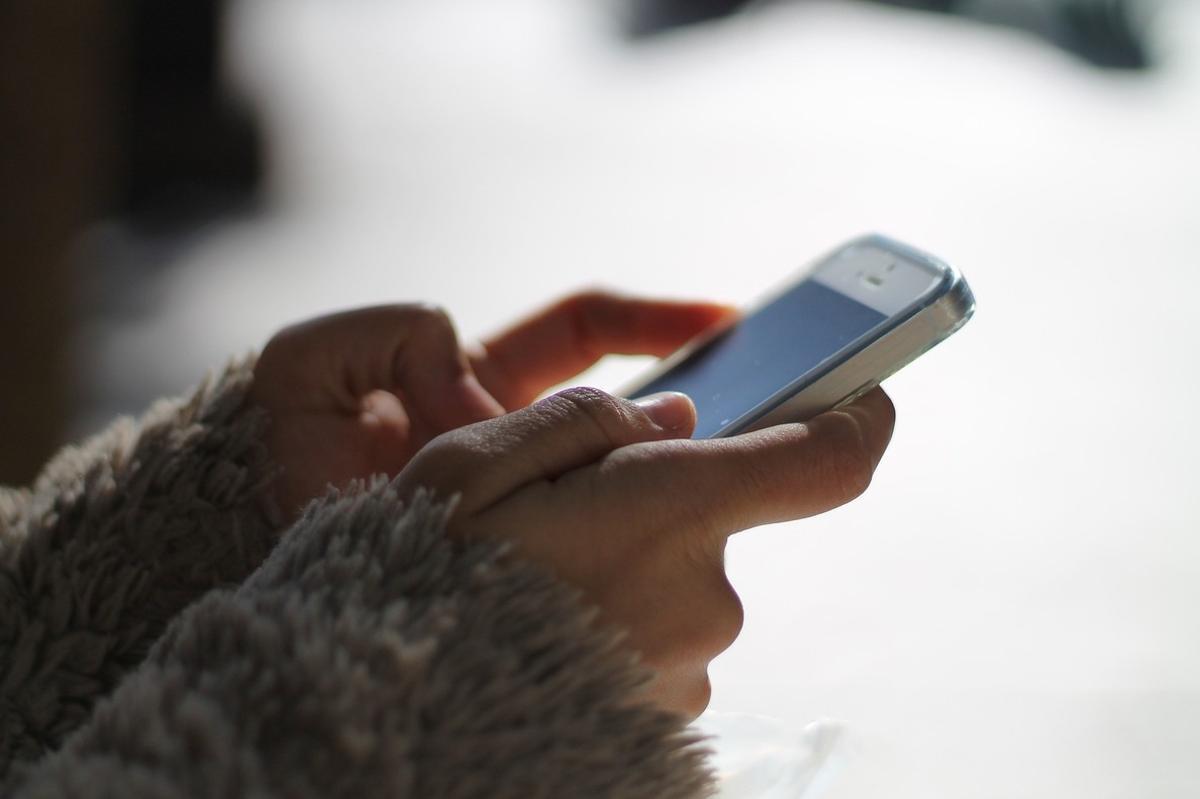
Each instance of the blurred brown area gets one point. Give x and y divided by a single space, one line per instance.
55 97
109 110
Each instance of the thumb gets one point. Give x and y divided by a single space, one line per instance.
489 460
671 411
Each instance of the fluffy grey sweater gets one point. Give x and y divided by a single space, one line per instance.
161 636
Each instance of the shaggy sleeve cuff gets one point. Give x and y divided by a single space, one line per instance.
371 656
113 540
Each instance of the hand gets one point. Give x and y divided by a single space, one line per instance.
613 497
359 393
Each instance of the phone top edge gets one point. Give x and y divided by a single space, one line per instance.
952 286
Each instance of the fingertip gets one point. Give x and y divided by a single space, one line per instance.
693 314
874 403
871 418
882 410
726 311
673 412
714 313
880 397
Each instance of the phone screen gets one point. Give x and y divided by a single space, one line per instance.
765 352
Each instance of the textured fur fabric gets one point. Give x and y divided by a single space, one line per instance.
117 536
367 656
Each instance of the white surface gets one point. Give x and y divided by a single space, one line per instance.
757 757
1013 610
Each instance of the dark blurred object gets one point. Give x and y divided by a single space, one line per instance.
56 87
1108 33
188 150
1105 33
649 17
107 110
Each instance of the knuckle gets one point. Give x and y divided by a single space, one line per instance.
709 624
287 340
590 313
724 619
274 350
428 316
283 336
431 342
284 354
603 410
416 318
732 617
698 697
590 399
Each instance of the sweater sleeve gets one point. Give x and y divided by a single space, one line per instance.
112 541
371 656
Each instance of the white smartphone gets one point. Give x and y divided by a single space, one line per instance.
851 320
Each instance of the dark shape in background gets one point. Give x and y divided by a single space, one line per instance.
189 151
109 110
1105 33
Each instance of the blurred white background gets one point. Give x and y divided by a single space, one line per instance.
1013 609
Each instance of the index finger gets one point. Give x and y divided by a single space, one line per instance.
561 341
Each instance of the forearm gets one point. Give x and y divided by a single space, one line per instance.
115 538
371 656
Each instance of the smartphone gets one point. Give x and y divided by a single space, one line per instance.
849 321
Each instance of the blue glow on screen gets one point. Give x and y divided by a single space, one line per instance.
765 352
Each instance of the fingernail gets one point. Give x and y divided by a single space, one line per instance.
670 410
